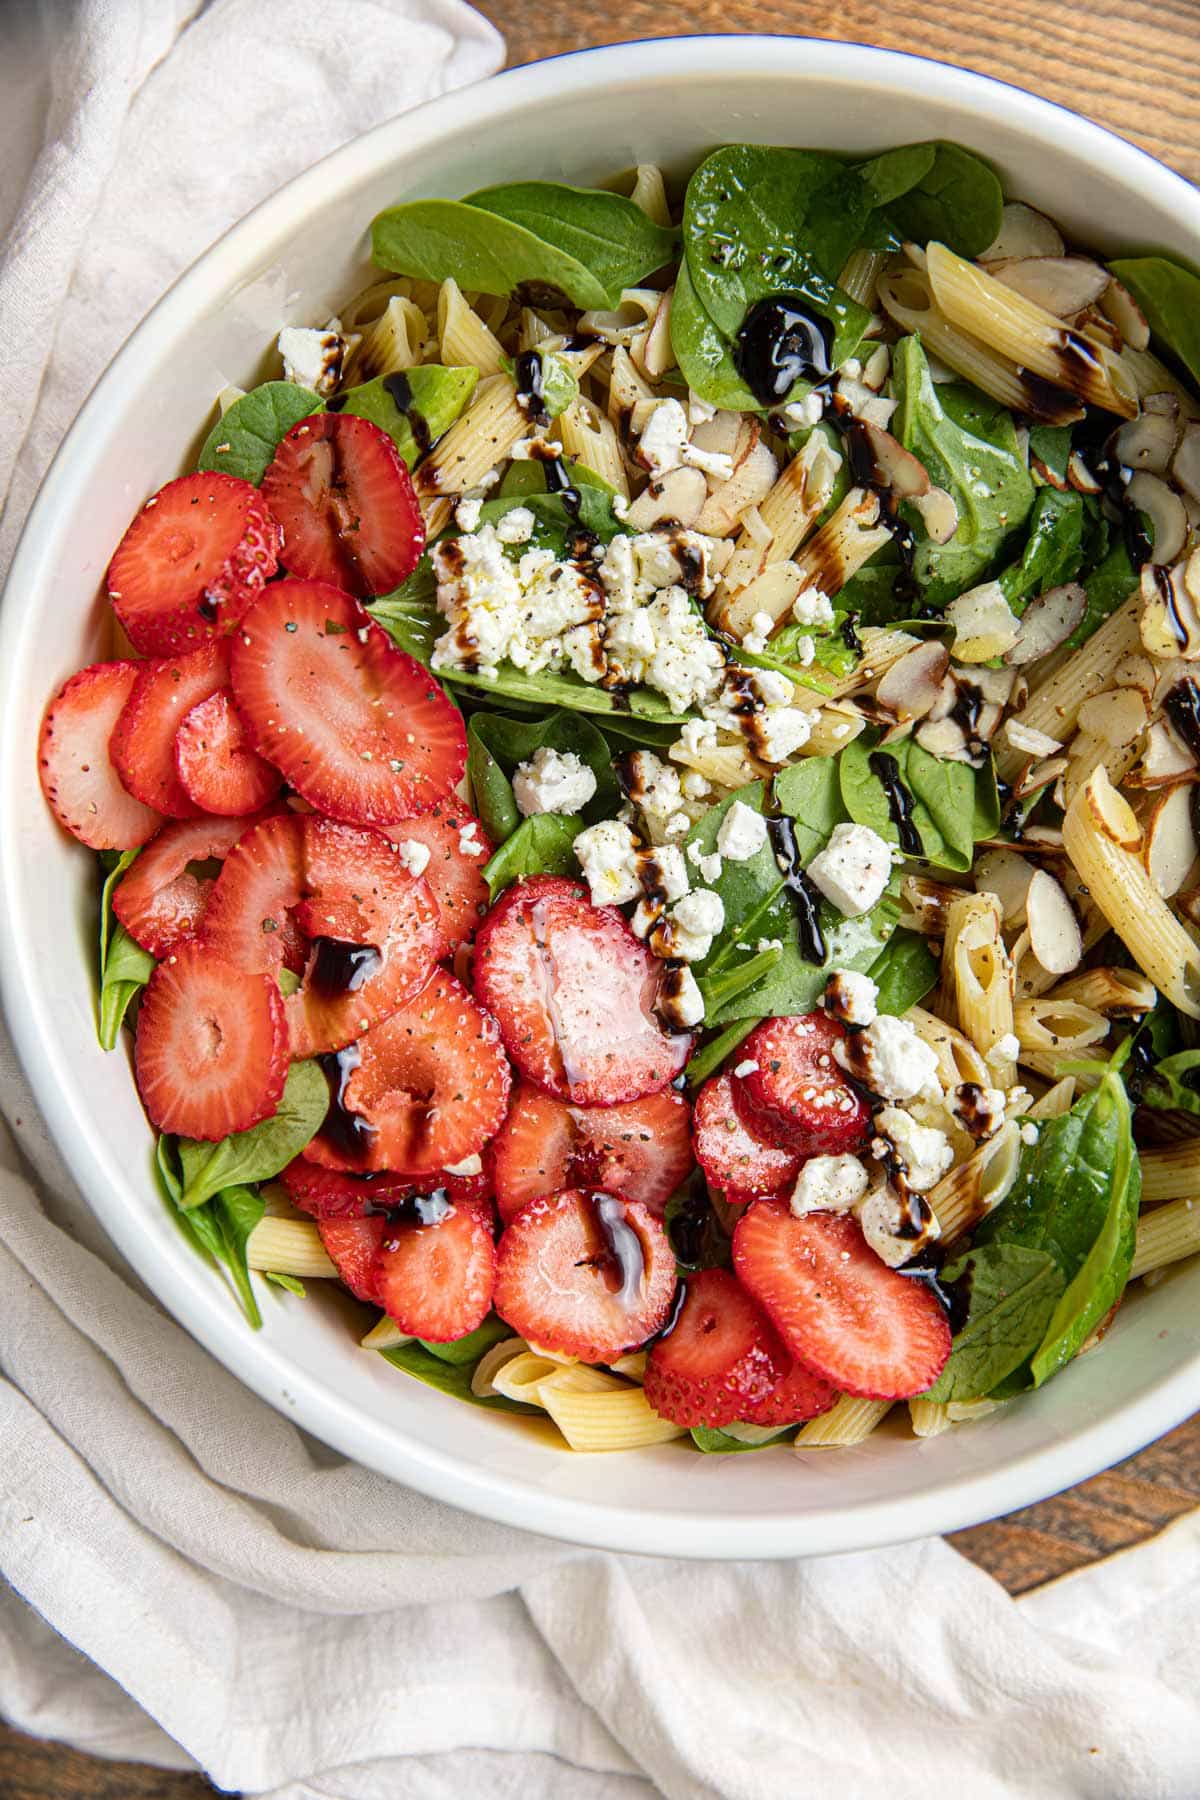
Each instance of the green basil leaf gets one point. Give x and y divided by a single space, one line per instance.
604 233
261 1152
449 239
469 1349
541 845
1013 1291
723 1442
559 389
450 1378
1169 295
959 203
554 526
414 407
244 439
904 972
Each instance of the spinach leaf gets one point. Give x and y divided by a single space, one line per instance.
443 239
125 967
968 444
413 625
290 1283
1169 295
904 972
1173 1085
604 233
1051 444
541 845
943 796
469 1349
219 1228
496 745
261 1152
1108 586
431 393
709 1058
720 1442
959 203
704 354
1013 1292
450 1378
554 526
244 439
838 212
1053 550
559 390
810 793
721 988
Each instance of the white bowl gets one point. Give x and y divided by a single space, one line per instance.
576 119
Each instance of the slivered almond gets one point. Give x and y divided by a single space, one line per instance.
1117 715
1165 759
900 471
1064 285
912 685
1111 812
1137 672
1054 934
1028 741
1169 850
1169 622
1148 442
652 352
1007 875
678 496
945 738
1047 622
983 622
1191 577
1119 305
1024 232
1166 511
939 514
1037 775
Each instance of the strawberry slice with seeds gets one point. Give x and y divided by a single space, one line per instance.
586 1275
733 1158
342 495
211 1048
800 1395
355 1246
374 930
459 849
641 1151
79 778
217 768
798 1097
422 1090
161 899
197 555
336 1194
435 1280
143 743
839 1309
357 727
718 1359
573 992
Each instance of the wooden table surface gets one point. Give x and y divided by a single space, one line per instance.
1133 65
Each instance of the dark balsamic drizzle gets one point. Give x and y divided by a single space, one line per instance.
415 1211
558 477
346 1132
672 1318
341 968
780 343
207 608
336 403
850 635
624 1246
886 770
804 897
1182 706
954 1297
530 374
400 389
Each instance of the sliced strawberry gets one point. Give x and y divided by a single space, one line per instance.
143 743
425 1088
355 1246
641 1150
458 849
358 728
197 555
839 1309
800 1395
436 1280
586 1275
217 768
79 779
343 497
211 1047
336 1194
798 1097
374 926
719 1357
734 1160
160 900
573 991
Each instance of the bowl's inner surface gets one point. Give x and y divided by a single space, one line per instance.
582 119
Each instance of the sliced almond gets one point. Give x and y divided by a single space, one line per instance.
983 622
1166 512
1042 838
1064 285
1186 465
1079 476
1023 232
1136 671
1148 442
753 478
898 468
1169 622
1169 850
911 687
1111 812
1117 716
1054 934
652 353
1165 759
1191 577
679 496
1187 902
1007 875
638 307
726 433
939 514
926 904
1028 741
1037 775
945 738
1119 305
1048 622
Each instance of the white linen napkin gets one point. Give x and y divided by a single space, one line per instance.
195 1582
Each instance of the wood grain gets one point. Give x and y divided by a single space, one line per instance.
1133 65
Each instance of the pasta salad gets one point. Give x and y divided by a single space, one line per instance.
646 794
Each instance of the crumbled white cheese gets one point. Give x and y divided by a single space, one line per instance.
747 1066
682 1004
663 871
701 911
853 869
764 944
922 1150
664 444
1029 1135
313 359
756 705
812 607
466 514
980 1110
470 1165
984 624
709 866
655 790
717 463
516 527
498 608
607 854
413 855
759 635
699 411
890 1059
695 786
469 842
742 833
620 506
807 411
896 1229
553 781
666 647
851 997
1005 1049
828 1184
687 933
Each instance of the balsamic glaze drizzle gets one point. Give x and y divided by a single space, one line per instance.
341 968
346 1132
530 374
624 1246
886 770
780 343
805 899
400 389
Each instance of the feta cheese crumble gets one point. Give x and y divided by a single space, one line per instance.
607 854
313 359
851 997
747 1066
552 781
890 1059
853 869
922 1151
680 1002
413 855
812 607
742 833
896 1226
516 527
758 637
469 841
709 866
529 612
828 1184
470 1165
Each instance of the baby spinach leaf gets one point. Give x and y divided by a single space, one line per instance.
554 525
219 1228
943 796
559 389
1013 1291
711 1055
1173 1085
704 354
496 745
244 439
959 202
448 239
604 233
838 212
291 1283
450 1378
541 845
904 972
968 444
1108 586
721 1442
1053 550
413 625
562 689
259 1153
810 793
1051 444
429 396
721 989
469 1349
1169 295
795 985
125 967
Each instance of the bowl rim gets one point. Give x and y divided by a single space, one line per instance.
352 1429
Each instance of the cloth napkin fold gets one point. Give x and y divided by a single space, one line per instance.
193 1581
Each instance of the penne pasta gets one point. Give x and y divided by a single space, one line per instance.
860 277
396 340
977 967
842 545
650 193
288 1247
385 1335
929 1418
619 1418
1055 1101
474 444
463 338
591 438
1057 1027
1053 707
1166 1234
848 1421
786 516
1172 1173
971 1190
958 1059
492 1362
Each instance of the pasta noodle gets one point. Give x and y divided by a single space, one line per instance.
464 339
1061 1028
475 443
1053 706
908 299
591 438
620 1419
288 1247
1166 1234
395 340
1172 1173
860 277
1118 993
958 1059
977 966
650 193
970 1191
385 1335
848 1421
842 545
